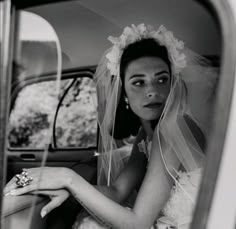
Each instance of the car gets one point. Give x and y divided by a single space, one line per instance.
48 99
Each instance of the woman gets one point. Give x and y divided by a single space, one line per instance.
142 71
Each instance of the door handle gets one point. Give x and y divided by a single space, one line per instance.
28 157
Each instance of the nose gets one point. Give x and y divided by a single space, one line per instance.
152 94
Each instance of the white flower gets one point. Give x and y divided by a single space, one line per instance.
113 40
141 31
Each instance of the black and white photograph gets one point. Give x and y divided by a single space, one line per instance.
117 114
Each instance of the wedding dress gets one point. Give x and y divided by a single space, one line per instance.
178 210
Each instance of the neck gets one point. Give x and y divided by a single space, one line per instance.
149 127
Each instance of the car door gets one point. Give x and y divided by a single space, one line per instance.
217 204
37 95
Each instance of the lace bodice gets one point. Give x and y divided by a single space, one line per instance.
178 210
145 147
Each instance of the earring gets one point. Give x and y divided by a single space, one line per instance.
127 103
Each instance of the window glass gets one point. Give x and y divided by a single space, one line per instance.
33 102
34 110
76 124
31 115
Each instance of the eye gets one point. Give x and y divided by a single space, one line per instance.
163 79
138 83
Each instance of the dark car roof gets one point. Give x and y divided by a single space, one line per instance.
83 26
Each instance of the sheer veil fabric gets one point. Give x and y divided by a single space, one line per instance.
191 94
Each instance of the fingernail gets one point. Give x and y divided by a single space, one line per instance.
43 213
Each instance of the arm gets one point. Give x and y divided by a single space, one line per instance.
152 195
151 198
130 177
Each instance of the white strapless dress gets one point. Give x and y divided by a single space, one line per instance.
178 210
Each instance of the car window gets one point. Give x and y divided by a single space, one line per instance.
31 115
34 110
76 124
33 101
36 93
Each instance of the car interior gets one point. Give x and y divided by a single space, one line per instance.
55 47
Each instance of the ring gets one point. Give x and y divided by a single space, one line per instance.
23 179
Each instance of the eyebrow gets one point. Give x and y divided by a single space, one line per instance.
142 75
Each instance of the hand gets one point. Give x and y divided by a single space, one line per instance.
57 198
46 178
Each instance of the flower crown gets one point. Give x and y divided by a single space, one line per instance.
139 32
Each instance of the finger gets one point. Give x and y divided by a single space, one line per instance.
43 192
54 203
13 189
10 185
22 190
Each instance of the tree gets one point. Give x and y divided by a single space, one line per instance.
32 117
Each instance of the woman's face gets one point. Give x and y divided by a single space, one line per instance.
147 85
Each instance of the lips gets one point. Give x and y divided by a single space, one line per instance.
153 105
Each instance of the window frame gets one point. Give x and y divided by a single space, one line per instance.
216 148
66 74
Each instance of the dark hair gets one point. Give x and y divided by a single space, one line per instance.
127 122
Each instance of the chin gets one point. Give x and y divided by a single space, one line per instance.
152 117
155 116
148 115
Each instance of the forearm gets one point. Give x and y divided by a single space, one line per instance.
111 192
105 210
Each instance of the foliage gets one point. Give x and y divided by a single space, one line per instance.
31 119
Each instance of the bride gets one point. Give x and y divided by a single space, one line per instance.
144 86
